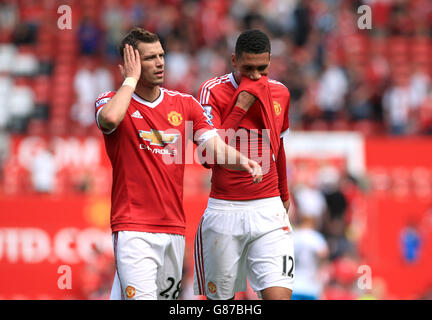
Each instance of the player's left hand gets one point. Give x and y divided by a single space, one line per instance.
255 170
245 100
286 205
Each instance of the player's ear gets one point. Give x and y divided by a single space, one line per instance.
234 60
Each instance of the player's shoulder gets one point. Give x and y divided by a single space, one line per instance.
278 85
106 94
216 82
279 90
103 98
212 86
173 94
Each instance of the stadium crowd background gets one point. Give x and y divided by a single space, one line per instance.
341 78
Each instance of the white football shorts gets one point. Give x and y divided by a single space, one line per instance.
149 265
238 241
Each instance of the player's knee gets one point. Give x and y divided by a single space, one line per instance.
276 293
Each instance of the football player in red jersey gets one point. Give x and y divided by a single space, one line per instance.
143 126
245 231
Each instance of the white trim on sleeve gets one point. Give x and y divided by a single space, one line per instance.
206 136
99 126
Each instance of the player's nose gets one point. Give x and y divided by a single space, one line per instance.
159 61
255 75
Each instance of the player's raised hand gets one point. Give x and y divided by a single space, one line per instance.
132 63
255 170
245 100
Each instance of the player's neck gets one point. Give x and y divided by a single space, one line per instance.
237 77
147 93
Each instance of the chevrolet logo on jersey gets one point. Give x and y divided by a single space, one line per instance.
158 138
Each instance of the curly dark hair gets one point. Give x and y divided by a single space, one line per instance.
252 41
135 36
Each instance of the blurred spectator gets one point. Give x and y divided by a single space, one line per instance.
310 250
8 18
114 23
334 224
6 85
25 64
359 105
20 104
7 54
397 106
89 37
332 89
90 80
410 243
310 202
24 34
43 170
178 65
301 16
420 83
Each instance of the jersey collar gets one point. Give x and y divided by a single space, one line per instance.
149 104
233 81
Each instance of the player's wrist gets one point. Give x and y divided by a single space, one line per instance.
130 81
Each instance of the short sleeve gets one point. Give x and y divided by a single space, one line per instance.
208 103
100 102
203 128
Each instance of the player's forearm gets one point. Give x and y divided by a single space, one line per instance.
230 158
282 173
234 118
114 111
225 155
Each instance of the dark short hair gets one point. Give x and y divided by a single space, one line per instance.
135 36
252 41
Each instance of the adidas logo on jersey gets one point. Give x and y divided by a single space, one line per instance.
137 114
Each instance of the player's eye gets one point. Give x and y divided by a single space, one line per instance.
261 68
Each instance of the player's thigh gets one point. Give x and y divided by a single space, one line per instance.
138 256
271 261
170 273
219 258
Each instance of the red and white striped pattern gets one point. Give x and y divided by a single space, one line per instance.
115 261
199 260
208 85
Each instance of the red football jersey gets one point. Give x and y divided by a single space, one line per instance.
147 153
215 96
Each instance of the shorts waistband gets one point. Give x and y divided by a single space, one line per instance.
227 204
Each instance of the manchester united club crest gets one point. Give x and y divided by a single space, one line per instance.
277 107
130 292
175 118
212 287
